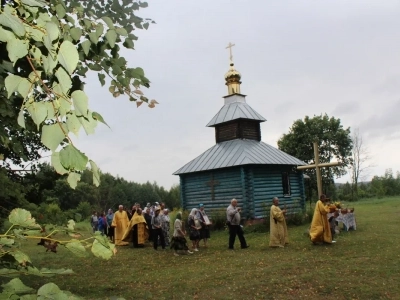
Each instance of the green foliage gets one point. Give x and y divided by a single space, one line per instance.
218 218
379 186
84 209
46 49
333 141
14 262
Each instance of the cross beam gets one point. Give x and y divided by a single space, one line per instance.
212 183
317 166
230 45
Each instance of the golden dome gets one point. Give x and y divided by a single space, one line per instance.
232 78
232 72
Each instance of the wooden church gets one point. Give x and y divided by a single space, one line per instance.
240 165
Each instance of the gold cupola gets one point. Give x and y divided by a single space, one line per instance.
232 77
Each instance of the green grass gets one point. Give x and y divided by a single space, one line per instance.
363 264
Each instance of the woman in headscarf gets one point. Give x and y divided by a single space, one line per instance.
194 229
205 222
179 242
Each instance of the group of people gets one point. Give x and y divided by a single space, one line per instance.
322 229
152 224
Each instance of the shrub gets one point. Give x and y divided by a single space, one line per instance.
84 209
297 218
218 219
260 226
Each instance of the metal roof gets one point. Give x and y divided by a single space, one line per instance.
235 108
236 153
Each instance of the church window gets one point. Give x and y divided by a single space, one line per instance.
286 184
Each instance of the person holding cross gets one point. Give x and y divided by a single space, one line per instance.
320 231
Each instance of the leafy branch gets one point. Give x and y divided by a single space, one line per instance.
49 48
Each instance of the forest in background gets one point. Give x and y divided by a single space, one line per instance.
50 199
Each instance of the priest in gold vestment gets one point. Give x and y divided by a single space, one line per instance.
278 230
320 231
120 223
137 231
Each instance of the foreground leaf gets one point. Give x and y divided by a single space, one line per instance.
40 3
55 162
80 103
20 257
68 56
73 159
16 287
96 173
99 250
99 118
73 179
52 135
22 217
9 20
50 291
12 82
17 49
76 248
6 241
38 112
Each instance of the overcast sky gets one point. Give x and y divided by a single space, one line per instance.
296 58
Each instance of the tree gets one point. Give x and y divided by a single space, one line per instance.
46 49
333 141
174 199
360 164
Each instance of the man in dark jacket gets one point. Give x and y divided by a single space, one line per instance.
147 217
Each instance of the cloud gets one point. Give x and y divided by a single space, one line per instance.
296 58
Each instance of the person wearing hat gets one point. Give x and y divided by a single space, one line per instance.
205 222
156 224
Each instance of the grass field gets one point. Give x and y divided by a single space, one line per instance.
363 264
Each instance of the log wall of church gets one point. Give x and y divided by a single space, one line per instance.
253 187
267 183
196 188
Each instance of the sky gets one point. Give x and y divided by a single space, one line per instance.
297 58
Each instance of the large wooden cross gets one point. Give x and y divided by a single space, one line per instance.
212 183
230 45
317 167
